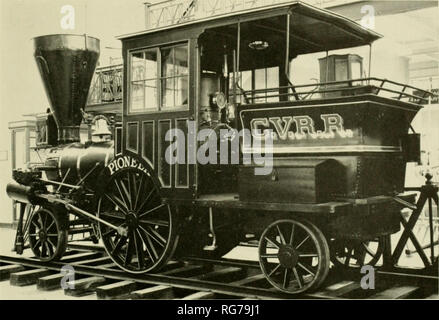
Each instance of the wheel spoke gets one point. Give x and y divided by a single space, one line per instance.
308 255
117 202
37 243
145 241
348 257
147 199
152 210
269 255
305 268
122 196
272 272
273 242
130 248
51 224
43 249
287 278
298 278
151 245
160 223
155 236
281 236
292 235
127 193
139 250
120 243
51 243
138 192
304 240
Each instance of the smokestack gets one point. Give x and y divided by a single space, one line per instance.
67 64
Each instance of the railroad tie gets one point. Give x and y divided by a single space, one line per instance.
227 274
115 290
186 271
50 282
249 280
156 292
84 286
5 271
203 295
336 290
399 292
28 277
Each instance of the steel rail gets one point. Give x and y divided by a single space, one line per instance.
158 279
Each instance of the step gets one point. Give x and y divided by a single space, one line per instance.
399 292
156 292
25 278
84 286
5 271
115 290
203 295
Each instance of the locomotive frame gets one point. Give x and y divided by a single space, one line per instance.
322 202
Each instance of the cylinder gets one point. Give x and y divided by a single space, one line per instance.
20 193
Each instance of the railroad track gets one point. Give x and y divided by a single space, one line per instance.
195 278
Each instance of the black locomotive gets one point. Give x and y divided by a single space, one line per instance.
339 149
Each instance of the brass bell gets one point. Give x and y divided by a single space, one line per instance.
101 128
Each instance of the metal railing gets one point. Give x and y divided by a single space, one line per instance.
106 85
381 87
170 12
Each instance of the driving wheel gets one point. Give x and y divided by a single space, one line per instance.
131 201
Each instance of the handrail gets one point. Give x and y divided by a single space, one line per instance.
345 86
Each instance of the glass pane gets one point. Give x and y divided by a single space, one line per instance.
151 64
246 80
168 93
181 60
260 83
181 95
137 96
356 70
167 63
137 66
151 94
273 82
341 70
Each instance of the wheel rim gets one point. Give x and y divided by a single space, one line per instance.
45 235
132 201
355 254
292 256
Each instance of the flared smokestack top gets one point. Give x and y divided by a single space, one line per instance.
67 64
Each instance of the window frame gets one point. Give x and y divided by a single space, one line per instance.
159 109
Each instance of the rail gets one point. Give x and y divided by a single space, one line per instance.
106 85
376 86
171 12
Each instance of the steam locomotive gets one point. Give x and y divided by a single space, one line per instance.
339 148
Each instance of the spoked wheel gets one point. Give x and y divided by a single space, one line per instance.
131 201
294 256
47 235
355 254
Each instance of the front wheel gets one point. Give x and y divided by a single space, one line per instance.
294 256
47 234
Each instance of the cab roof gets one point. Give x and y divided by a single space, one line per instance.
312 29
